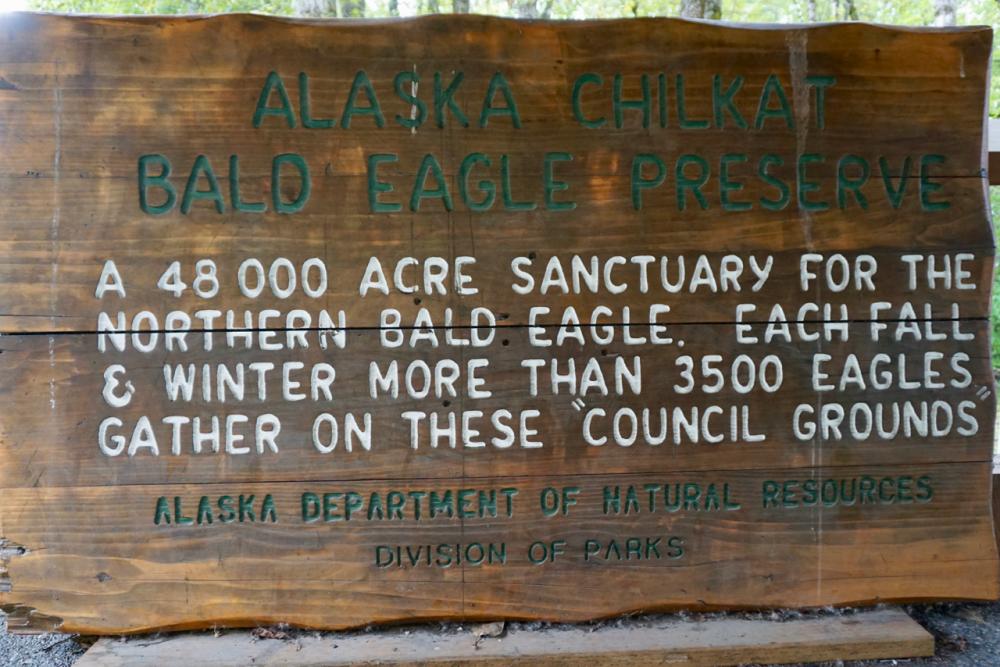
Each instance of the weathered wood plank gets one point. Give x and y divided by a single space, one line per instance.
817 185
152 98
899 539
871 635
913 401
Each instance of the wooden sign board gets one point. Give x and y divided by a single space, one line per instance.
333 323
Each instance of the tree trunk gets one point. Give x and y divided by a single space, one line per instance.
944 13
433 7
526 9
850 11
315 8
460 6
530 9
393 7
701 9
354 9
813 14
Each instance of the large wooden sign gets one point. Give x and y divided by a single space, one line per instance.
347 322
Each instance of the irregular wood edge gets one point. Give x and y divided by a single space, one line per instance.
995 504
883 633
8 550
21 619
991 147
473 18
24 619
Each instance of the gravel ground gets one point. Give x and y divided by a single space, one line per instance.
966 635
48 650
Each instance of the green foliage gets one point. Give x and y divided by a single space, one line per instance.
279 7
995 304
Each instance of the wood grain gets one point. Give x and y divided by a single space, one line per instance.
119 540
70 370
138 576
869 635
99 108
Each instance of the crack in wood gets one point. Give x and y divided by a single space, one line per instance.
8 550
498 327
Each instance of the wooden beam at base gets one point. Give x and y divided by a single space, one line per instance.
878 634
